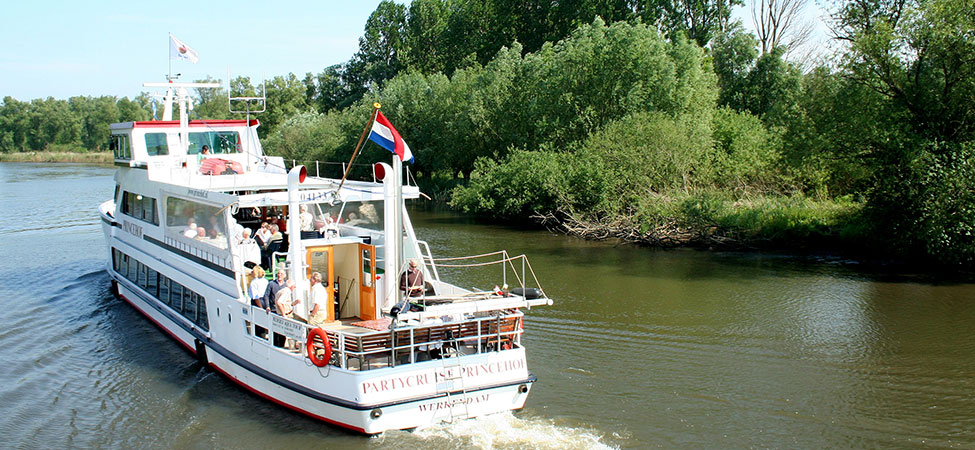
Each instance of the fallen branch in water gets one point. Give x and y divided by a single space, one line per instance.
668 234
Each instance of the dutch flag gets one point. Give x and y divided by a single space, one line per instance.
387 137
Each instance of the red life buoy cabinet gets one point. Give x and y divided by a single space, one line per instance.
311 345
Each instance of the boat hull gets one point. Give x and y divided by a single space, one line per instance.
374 417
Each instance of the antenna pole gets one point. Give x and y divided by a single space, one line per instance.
170 46
358 146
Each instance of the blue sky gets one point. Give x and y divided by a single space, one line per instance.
66 48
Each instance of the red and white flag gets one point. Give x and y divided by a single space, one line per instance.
179 50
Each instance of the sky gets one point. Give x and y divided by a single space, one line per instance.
66 48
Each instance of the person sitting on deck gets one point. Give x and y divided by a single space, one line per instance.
411 283
191 229
263 234
307 223
250 252
272 245
204 154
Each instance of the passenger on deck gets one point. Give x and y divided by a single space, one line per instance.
411 283
204 154
353 219
257 287
201 233
250 252
305 219
191 229
273 244
318 301
263 234
271 292
285 300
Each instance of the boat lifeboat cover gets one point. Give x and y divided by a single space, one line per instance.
218 166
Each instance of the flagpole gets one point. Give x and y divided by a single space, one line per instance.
358 145
170 46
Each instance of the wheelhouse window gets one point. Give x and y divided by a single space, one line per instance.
156 144
140 207
120 146
197 221
219 142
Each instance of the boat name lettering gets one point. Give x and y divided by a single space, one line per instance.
197 193
446 405
421 379
132 229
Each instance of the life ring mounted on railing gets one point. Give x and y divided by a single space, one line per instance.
312 345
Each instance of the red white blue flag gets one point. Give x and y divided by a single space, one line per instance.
387 137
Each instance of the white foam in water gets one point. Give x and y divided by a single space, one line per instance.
504 430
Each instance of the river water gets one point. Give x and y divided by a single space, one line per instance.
643 348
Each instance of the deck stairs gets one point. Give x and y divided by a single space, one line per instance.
454 378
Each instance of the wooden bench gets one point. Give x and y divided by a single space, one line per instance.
368 349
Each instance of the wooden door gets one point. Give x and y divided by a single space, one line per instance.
367 287
322 260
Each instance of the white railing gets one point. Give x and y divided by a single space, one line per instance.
404 345
505 261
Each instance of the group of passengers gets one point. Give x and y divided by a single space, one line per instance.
212 231
279 296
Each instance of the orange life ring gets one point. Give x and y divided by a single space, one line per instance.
311 346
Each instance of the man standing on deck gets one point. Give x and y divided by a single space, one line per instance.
271 293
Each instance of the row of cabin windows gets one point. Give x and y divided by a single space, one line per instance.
181 299
140 207
156 143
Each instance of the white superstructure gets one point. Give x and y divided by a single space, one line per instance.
173 233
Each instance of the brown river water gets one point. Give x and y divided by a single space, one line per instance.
642 349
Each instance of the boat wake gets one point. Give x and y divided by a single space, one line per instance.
504 430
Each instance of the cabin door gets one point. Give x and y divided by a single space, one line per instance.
367 287
322 260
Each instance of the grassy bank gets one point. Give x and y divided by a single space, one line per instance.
58 157
718 220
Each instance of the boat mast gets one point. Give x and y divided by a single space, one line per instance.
182 96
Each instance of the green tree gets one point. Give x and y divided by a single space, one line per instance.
700 20
54 125
733 53
96 114
210 103
917 56
285 98
383 44
15 125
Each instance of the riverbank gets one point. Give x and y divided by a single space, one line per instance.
58 157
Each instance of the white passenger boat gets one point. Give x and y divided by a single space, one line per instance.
381 361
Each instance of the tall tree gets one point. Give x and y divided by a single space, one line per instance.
780 23
383 44
698 19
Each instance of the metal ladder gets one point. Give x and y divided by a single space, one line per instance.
454 371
